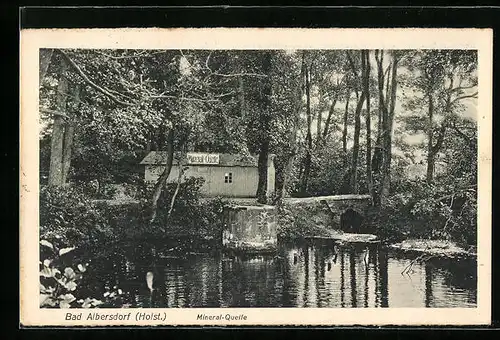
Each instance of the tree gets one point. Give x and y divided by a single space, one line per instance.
288 93
381 160
308 143
366 89
56 172
265 126
443 81
45 55
357 116
69 133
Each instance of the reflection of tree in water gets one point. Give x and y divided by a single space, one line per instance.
383 277
428 285
458 275
314 274
306 279
322 263
342 280
352 274
287 296
251 281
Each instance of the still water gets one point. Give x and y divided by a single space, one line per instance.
307 274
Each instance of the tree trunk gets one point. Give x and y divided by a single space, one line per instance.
378 153
69 134
162 180
318 127
57 137
265 125
293 135
386 169
291 154
346 121
366 82
355 148
243 113
45 56
326 130
262 167
241 98
177 188
357 128
430 135
307 161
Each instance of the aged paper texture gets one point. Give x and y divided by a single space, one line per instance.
109 72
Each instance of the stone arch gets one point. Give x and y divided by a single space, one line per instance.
351 220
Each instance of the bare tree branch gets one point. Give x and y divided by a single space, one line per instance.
183 98
461 88
244 74
90 82
473 95
231 74
142 54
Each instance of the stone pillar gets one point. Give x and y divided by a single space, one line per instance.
270 175
250 228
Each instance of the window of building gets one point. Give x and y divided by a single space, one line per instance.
228 177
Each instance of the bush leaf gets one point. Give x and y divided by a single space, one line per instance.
69 273
65 250
70 286
46 244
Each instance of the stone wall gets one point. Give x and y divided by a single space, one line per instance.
327 210
250 228
255 227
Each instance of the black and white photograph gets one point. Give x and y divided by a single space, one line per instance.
340 178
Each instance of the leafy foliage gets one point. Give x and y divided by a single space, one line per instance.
236 102
192 215
69 216
444 211
61 288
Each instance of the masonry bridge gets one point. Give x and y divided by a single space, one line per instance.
255 227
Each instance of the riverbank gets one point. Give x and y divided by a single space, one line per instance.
292 225
442 248
311 230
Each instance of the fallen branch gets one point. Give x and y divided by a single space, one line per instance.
422 257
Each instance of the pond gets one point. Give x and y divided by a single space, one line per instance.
299 274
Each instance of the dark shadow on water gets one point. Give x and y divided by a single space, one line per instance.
298 274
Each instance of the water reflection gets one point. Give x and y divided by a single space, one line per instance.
313 274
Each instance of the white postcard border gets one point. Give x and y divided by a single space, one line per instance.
248 38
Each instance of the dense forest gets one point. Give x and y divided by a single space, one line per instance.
399 125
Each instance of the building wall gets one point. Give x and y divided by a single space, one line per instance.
244 179
271 177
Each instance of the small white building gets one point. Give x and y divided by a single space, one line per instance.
225 175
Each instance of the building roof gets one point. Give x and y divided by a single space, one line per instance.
225 159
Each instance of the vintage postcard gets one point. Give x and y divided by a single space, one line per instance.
238 176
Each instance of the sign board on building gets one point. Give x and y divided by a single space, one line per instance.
202 158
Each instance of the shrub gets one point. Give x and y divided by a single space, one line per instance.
301 221
435 211
68 217
61 288
191 215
